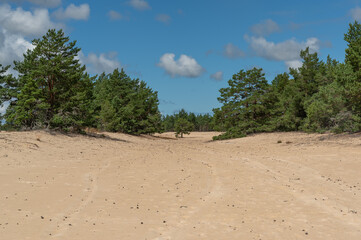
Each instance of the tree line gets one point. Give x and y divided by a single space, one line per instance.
200 122
317 97
53 90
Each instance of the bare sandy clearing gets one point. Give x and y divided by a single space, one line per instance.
125 187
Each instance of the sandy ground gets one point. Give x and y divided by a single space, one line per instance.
54 186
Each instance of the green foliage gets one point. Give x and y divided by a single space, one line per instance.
182 126
352 87
30 109
52 90
323 106
245 107
346 121
353 58
201 122
317 96
353 52
168 122
126 105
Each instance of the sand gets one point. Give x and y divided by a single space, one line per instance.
56 186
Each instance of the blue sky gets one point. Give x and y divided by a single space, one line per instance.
186 50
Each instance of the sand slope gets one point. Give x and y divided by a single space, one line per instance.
54 186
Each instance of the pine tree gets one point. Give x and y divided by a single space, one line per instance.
201 122
244 109
353 58
291 112
182 126
30 109
168 123
52 90
353 51
126 105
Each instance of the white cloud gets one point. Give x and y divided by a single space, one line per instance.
3 107
356 14
164 18
139 4
218 76
80 12
231 51
98 64
265 28
12 47
44 3
185 66
294 64
114 15
23 22
287 51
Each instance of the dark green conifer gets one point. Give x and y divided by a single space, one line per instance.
53 89
126 105
183 126
244 109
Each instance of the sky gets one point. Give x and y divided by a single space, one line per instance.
185 50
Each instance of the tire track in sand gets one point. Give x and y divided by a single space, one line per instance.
92 189
187 219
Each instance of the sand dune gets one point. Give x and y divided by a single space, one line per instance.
54 186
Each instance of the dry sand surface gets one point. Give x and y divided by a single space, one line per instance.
54 186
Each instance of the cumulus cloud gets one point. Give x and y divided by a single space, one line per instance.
114 15
15 26
231 51
185 66
287 51
43 3
23 22
80 12
3 108
139 4
98 64
164 18
218 76
293 64
265 28
12 47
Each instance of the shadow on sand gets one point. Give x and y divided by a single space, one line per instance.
86 134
